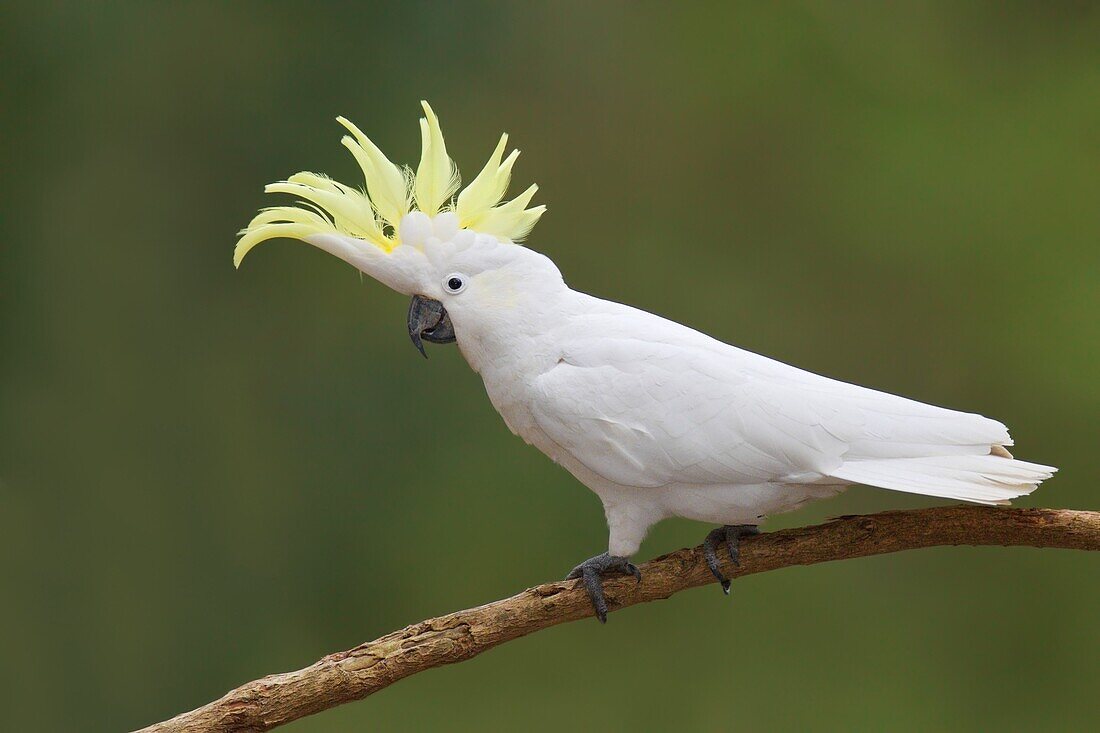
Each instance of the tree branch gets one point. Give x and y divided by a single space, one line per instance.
351 675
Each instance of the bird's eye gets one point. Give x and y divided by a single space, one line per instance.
454 283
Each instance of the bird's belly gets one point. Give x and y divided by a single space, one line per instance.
745 504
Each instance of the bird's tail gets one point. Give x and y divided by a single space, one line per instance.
983 479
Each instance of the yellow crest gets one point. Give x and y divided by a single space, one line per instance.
374 213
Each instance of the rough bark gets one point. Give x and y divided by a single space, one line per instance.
353 674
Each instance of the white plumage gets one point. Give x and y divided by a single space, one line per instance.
661 420
656 418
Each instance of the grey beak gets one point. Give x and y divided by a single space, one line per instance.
428 319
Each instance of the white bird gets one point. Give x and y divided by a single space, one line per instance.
659 420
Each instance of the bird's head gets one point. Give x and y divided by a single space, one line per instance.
455 255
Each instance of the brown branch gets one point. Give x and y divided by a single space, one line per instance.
351 675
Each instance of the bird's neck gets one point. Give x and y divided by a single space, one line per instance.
518 337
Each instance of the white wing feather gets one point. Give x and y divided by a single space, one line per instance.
655 403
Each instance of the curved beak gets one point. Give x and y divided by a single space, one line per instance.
428 320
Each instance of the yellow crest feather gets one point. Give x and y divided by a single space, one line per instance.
487 189
374 214
437 176
386 184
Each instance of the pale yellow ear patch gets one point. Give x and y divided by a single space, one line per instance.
382 212
494 289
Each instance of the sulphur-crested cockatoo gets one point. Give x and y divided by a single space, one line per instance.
658 419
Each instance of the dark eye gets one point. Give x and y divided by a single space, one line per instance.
454 283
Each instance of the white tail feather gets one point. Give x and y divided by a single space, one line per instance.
982 479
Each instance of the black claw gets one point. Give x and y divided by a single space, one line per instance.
591 573
733 539
710 544
594 587
734 549
731 534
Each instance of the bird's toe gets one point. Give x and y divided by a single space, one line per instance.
591 573
731 535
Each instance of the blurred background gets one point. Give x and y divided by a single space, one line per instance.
207 475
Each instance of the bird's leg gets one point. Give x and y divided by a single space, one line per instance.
731 534
591 571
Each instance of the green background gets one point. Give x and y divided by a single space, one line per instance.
208 475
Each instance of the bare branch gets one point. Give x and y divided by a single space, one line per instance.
351 675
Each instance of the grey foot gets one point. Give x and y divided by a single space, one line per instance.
731 534
591 572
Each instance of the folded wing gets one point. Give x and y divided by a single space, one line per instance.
654 403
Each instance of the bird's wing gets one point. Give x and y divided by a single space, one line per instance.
653 403
646 414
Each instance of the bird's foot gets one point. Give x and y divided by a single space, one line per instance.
731 534
591 572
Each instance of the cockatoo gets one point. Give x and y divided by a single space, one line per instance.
658 419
